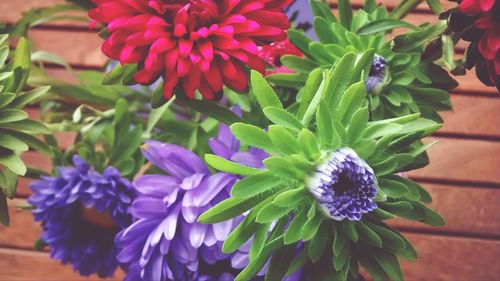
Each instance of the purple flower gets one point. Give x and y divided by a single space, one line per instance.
81 211
166 242
377 74
344 186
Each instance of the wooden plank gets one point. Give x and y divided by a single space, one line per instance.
440 258
22 265
16 11
23 230
443 258
473 115
463 160
80 48
467 210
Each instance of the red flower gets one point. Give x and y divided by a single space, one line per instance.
272 55
197 44
486 14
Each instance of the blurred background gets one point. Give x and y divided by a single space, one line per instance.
464 175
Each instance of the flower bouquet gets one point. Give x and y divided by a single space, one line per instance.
237 139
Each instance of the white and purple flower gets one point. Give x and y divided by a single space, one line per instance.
344 186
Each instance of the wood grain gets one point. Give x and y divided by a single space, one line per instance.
440 259
467 210
473 115
463 160
81 48
22 265
443 258
23 230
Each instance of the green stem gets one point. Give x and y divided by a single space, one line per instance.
404 7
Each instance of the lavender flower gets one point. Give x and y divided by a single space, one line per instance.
344 186
81 211
166 242
377 74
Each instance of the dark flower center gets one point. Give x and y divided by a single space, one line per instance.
92 216
343 184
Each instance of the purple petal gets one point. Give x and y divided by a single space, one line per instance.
197 233
155 185
176 160
208 189
222 229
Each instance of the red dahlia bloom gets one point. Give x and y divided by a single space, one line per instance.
272 55
197 44
486 16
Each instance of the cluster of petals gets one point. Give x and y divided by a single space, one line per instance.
192 44
488 21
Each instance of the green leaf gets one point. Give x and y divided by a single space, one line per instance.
311 226
349 229
283 140
254 185
28 97
323 31
114 76
369 236
12 115
389 264
322 9
298 63
345 13
6 99
227 209
252 135
340 79
357 124
309 91
27 126
22 63
390 238
383 25
228 166
4 210
43 56
258 241
397 208
294 231
12 161
282 167
281 117
431 217
280 262
327 135
290 198
30 140
351 101
435 6
393 188
11 142
8 183
272 213
263 92
309 145
317 245
214 110
256 265
299 39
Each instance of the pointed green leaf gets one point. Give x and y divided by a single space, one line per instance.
264 93
283 118
309 145
283 140
254 185
228 166
252 135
